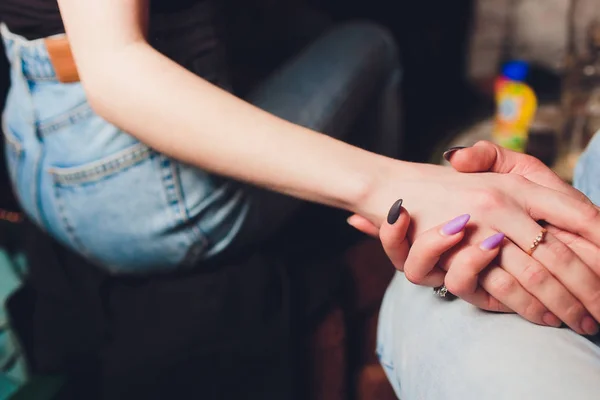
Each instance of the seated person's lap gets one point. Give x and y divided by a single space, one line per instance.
432 348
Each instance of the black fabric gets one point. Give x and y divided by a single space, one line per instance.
218 332
7 198
31 18
35 19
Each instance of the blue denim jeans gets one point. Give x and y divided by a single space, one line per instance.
433 349
118 202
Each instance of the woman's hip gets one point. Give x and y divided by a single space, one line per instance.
107 195
133 211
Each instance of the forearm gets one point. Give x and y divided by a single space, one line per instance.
186 117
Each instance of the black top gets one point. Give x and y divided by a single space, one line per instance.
35 19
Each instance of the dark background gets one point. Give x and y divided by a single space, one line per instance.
432 36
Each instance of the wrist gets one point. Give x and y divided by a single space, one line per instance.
386 181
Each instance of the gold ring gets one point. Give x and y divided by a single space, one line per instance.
538 239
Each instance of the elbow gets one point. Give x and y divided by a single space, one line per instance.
109 88
99 95
95 96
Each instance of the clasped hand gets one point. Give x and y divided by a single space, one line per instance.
494 203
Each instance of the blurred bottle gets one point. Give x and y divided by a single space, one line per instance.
581 95
516 104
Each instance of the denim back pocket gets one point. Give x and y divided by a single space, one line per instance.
115 211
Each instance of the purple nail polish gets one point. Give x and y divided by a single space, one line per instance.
456 225
492 242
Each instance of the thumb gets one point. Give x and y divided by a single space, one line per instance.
393 236
486 156
481 157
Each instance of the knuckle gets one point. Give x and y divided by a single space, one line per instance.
492 304
400 265
589 213
488 199
533 311
534 275
455 286
467 260
595 262
503 286
531 163
412 277
560 252
574 312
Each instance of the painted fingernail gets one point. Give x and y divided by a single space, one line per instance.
394 212
551 320
448 153
492 242
589 325
456 225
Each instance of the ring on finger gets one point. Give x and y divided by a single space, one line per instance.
536 242
442 291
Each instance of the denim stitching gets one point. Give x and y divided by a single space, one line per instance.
102 168
10 138
35 186
35 65
197 234
199 240
77 114
174 170
216 194
40 78
172 187
167 179
69 229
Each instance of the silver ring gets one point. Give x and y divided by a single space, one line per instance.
441 291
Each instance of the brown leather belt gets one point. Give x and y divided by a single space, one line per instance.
10 216
62 59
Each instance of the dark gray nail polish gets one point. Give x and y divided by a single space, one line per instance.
448 153
394 213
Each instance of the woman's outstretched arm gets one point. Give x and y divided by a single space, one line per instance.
135 87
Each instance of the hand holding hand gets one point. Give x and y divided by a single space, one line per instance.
473 281
563 272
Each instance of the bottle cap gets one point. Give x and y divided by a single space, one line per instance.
515 70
